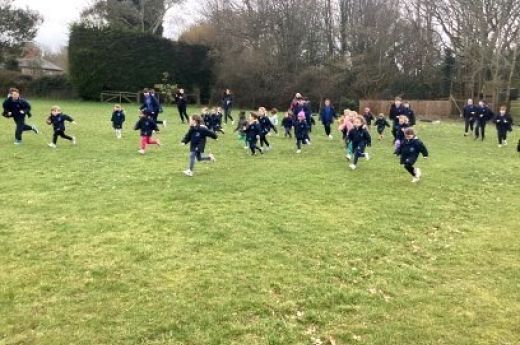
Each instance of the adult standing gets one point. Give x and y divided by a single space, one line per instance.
302 105
17 108
227 105
396 110
182 105
469 113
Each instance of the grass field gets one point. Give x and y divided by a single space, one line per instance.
100 245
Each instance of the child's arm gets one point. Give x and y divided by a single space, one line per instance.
68 118
137 125
187 137
423 149
369 138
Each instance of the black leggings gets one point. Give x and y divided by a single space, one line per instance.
253 147
468 124
480 129
410 169
227 114
20 128
327 128
263 140
288 132
60 134
183 114
502 136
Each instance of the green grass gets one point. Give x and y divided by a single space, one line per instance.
102 246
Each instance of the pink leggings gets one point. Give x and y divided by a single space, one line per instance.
147 141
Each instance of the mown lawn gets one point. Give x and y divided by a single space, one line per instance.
100 245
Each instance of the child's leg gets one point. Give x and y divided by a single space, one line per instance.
144 142
466 125
55 138
65 136
483 130
299 144
193 157
327 128
263 140
410 169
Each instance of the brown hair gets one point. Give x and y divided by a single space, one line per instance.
503 108
13 89
409 131
274 111
254 115
197 119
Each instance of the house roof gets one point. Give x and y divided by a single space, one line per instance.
39 63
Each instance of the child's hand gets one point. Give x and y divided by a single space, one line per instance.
183 144
22 112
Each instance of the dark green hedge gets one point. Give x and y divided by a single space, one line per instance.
106 59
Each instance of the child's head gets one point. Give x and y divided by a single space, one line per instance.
204 110
253 116
195 120
55 110
358 121
481 103
367 110
152 91
117 107
470 101
242 115
402 119
146 92
381 116
227 92
301 116
406 105
181 91
503 110
409 133
213 110
274 111
327 102
261 111
398 101
14 93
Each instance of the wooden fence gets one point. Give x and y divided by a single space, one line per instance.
424 110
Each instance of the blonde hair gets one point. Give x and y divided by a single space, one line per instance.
118 106
56 108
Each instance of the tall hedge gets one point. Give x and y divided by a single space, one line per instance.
107 59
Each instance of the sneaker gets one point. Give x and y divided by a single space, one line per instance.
298 151
367 156
188 173
212 158
349 157
415 180
261 151
465 134
35 130
418 173
232 123
74 142
246 147
331 137
18 142
352 166
142 152
308 142
505 142
499 145
164 123
52 145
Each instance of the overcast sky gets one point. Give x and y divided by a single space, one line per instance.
58 14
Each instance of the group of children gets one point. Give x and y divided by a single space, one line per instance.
254 132
476 118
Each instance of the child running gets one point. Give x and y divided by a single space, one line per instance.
409 152
254 132
274 120
266 126
381 123
241 129
345 126
147 125
287 124
196 136
327 117
360 139
402 124
504 124
301 131
369 117
118 118
57 120
216 120
17 108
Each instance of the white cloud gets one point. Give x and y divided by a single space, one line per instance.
59 14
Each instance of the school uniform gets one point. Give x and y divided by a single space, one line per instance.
118 118
253 131
307 111
381 124
369 117
399 135
18 109
469 113
58 124
287 124
146 125
266 126
301 132
360 139
409 152
227 105
484 114
216 122
504 124
196 137
410 114
182 104
327 116
395 112
208 121
241 129
151 108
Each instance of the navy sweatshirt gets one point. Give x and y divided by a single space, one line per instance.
16 107
484 114
369 117
287 122
253 130
58 121
410 150
146 125
395 112
227 101
359 137
381 124
470 111
118 118
266 124
503 122
327 115
301 130
196 136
